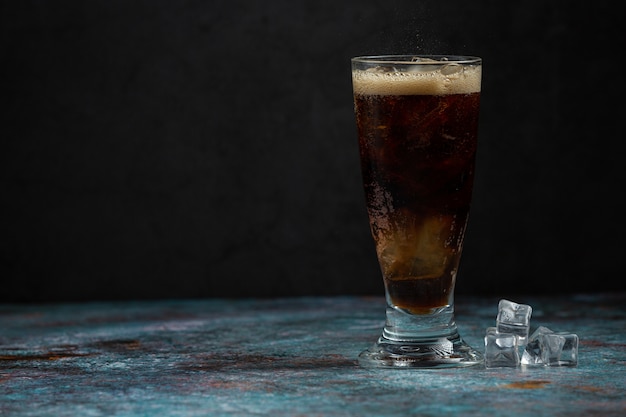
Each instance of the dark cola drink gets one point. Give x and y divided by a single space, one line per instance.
417 137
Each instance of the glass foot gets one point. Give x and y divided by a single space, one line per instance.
447 352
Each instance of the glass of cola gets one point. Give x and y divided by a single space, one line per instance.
417 123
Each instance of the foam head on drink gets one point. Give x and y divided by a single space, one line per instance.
430 80
417 136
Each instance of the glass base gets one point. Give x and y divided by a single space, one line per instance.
445 352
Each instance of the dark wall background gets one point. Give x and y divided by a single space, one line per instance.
207 148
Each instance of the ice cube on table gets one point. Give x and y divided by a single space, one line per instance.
532 352
547 348
559 349
501 349
514 318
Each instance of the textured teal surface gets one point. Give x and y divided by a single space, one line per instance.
288 357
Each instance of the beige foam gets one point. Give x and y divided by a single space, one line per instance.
446 80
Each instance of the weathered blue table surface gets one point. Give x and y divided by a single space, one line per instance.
288 357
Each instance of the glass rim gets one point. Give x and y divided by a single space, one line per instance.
413 59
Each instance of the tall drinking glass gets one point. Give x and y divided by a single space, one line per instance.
417 122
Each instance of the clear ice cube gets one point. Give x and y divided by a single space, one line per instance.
514 318
532 352
547 348
501 349
559 349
